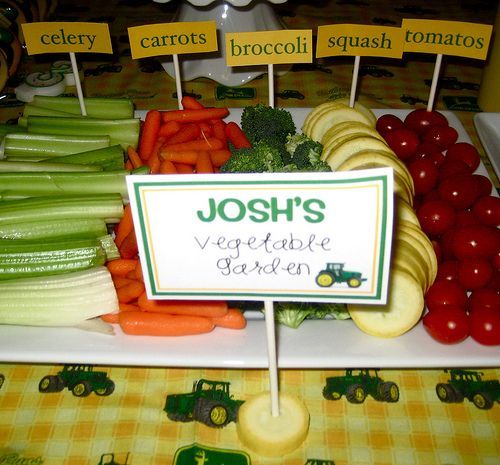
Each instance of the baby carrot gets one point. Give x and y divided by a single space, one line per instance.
210 143
190 103
203 163
138 272
140 323
149 133
121 281
123 307
233 319
128 165
187 132
121 266
169 129
128 248
130 292
189 157
112 318
199 114
167 167
205 130
125 225
184 168
134 157
219 157
206 308
236 136
219 130
154 160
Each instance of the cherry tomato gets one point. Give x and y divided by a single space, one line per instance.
474 273
485 326
496 260
446 293
465 152
465 218
442 136
424 173
446 243
420 119
387 123
437 250
487 209
403 142
459 191
484 185
448 324
429 150
453 168
448 270
475 241
436 217
483 297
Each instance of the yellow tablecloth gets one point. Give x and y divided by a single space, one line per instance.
130 426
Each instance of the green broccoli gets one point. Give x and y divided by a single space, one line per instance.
263 122
260 158
305 153
292 314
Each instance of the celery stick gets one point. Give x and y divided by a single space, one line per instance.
108 207
32 184
121 131
50 145
54 229
33 110
108 158
109 246
97 107
10 129
18 166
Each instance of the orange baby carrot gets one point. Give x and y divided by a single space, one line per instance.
125 225
112 318
236 136
210 143
130 292
138 272
159 324
134 157
189 157
204 163
187 132
128 248
183 168
121 266
169 129
201 114
155 160
123 307
167 167
205 130
206 308
120 281
128 165
190 103
219 157
233 319
219 130
149 133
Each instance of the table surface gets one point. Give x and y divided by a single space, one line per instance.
59 428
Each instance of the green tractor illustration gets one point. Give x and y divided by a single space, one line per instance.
335 273
209 403
109 459
81 380
466 384
319 462
357 384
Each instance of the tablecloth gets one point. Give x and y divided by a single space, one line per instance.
130 426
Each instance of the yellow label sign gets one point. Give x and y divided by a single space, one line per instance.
62 37
269 47
469 40
359 40
172 38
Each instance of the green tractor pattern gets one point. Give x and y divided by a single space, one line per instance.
319 462
466 384
355 385
335 273
209 403
81 380
109 459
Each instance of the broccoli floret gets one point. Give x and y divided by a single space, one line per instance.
292 314
260 158
305 153
263 122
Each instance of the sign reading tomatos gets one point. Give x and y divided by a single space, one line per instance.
278 236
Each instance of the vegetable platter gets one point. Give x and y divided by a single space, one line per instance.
316 344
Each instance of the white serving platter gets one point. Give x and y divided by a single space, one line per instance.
488 128
316 344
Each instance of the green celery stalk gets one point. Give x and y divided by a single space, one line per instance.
108 207
19 166
54 229
96 107
109 246
26 145
68 299
121 131
33 110
10 129
32 184
108 158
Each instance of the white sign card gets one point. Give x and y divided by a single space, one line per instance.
269 236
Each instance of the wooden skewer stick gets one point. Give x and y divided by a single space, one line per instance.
272 357
435 79
78 84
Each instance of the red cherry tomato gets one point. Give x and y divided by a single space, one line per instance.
496 260
420 119
429 150
459 191
487 210
446 243
453 168
448 324
387 123
474 273
442 136
424 173
465 218
448 270
484 185
485 326
437 250
475 241
436 217
483 297
403 142
465 152
446 293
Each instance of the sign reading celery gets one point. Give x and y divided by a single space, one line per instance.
276 236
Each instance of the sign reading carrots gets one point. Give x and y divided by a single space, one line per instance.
277 236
